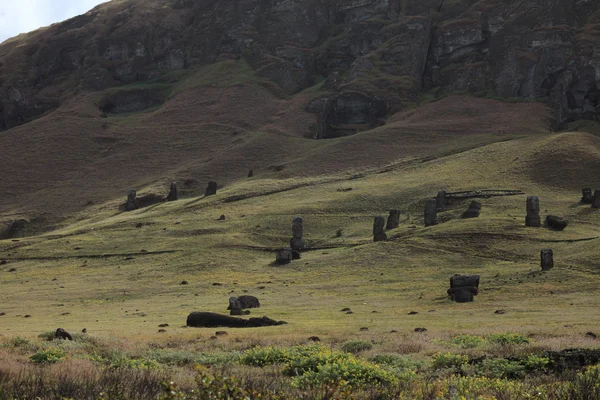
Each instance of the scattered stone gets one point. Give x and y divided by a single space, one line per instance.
547 259
132 201
173 192
596 199
213 338
222 218
184 283
473 210
221 333
533 212
499 312
12 270
349 312
217 284
2 314
345 309
431 212
211 189
162 330
62 334
314 339
393 220
27 316
586 196
284 256
591 335
3 262
463 288
556 223
297 242
393 331
420 330
364 329
413 313
440 201
250 173
378 229
214 320
163 325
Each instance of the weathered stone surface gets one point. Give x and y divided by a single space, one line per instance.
586 196
393 220
214 320
211 189
431 212
473 210
440 200
547 259
173 192
297 241
378 229
284 257
533 212
596 199
132 202
556 223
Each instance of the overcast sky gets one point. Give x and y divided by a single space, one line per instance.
20 16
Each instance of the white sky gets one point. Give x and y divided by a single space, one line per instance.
20 16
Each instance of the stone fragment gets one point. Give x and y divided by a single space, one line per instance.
211 189
473 210
393 220
546 259
430 212
378 227
533 212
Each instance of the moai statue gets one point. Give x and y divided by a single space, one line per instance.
533 212
250 173
297 242
463 288
430 212
132 202
586 196
393 220
547 259
284 257
441 200
378 227
211 189
173 193
596 199
473 211
235 306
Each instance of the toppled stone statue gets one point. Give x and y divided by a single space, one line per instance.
297 242
533 212
284 256
596 199
132 202
430 212
556 223
214 320
547 259
62 334
211 189
378 226
173 193
235 306
586 196
393 220
441 200
473 210
463 288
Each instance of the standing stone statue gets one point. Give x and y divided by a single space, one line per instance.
393 220
211 189
596 199
547 259
132 203
463 288
473 211
441 200
250 173
378 226
173 193
533 212
235 306
586 196
297 243
430 212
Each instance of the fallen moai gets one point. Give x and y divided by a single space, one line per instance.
214 320
473 210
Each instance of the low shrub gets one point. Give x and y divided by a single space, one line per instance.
449 360
396 362
356 346
500 368
48 356
508 339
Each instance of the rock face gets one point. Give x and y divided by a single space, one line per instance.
596 199
556 223
533 212
393 220
211 189
132 202
431 212
586 196
214 320
297 242
473 210
463 288
547 259
378 229
173 192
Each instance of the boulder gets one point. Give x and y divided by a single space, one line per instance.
378 229
393 220
214 320
546 259
556 223
249 302
533 212
284 256
473 210
431 212
211 189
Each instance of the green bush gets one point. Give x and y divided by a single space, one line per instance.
261 356
48 356
449 360
536 363
500 368
305 362
133 363
182 357
356 346
467 341
508 339
395 361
